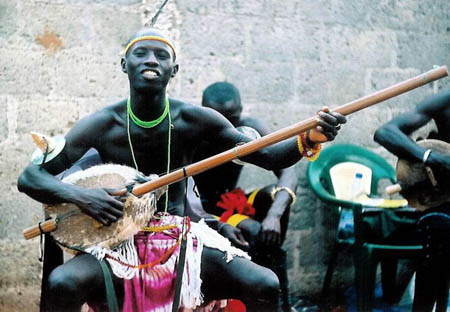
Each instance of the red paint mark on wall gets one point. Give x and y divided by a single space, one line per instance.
50 40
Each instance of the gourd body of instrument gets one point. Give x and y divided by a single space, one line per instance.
77 230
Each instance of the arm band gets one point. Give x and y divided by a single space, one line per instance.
284 188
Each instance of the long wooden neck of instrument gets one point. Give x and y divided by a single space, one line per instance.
285 133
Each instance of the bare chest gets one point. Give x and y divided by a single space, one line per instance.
150 150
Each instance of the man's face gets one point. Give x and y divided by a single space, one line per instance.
149 65
230 109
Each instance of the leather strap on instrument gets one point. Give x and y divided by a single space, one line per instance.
53 257
41 243
109 287
182 255
180 270
45 153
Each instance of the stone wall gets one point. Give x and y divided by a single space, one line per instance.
60 60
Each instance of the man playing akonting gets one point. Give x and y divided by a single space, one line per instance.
153 133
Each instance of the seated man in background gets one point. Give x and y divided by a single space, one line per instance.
263 215
433 271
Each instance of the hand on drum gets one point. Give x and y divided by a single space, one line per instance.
329 125
100 205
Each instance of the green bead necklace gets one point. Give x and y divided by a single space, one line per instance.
151 123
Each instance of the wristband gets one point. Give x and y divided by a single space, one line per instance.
220 226
426 155
311 153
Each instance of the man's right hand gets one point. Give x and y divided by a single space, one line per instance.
270 233
100 205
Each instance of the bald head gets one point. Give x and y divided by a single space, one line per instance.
221 92
224 98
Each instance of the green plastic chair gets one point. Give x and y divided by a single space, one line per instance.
366 256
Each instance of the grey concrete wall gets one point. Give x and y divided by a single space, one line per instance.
59 61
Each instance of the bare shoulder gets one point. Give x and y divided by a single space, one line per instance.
435 107
255 123
87 133
436 104
88 129
183 108
196 114
111 114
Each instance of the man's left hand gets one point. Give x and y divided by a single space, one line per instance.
329 125
235 236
